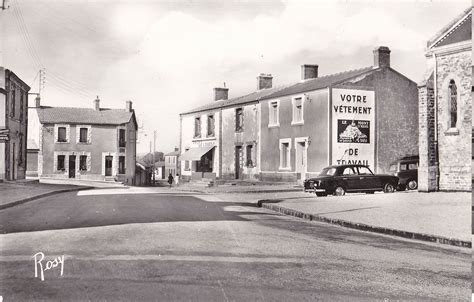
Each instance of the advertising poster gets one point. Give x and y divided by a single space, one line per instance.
353 122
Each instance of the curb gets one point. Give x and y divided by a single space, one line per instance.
267 204
22 201
245 192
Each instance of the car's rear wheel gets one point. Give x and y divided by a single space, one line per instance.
388 188
321 194
412 184
339 191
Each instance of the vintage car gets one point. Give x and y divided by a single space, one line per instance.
339 179
406 169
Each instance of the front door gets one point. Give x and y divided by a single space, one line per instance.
238 162
301 160
72 166
108 165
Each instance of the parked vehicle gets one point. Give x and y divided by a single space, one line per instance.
339 179
406 169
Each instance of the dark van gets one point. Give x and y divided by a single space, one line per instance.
406 168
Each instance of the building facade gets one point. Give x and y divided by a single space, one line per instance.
445 107
13 125
365 116
289 133
86 143
172 163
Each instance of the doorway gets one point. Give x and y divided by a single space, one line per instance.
72 166
238 162
108 165
301 160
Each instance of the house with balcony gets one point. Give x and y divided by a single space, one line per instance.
85 143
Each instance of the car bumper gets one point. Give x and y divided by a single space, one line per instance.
320 190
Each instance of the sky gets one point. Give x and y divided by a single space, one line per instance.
167 56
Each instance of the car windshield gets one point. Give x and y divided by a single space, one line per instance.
328 172
393 168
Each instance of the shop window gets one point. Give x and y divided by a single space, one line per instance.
210 125
273 114
197 127
83 163
239 119
62 135
453 104
121 165
60 164
249 154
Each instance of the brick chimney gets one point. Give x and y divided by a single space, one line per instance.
264 81
38 101
309 71
97 104
382 56
176 149
221 93
128 106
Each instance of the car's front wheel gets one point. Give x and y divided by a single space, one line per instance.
388 188
412 185
339 191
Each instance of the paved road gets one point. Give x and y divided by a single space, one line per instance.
201 248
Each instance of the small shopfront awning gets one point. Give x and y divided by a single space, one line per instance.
195 153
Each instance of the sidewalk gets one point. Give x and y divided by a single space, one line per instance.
15 193
257 188
438 217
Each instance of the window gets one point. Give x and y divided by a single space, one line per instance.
12 102
413 166
21 106
20 151
122 141
273 114
61 159
453 104
348 171
83 135
285 146
197 127
328 172
239 119
121 165
83 163
186 162
210 125
403 167
365 171
297 111
249 153
62 135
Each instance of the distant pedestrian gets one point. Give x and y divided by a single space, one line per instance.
170 179
176 179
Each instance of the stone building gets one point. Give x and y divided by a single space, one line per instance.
445 109
365 116
289 133
171 163
13 125
85 143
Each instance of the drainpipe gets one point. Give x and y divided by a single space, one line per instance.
436 120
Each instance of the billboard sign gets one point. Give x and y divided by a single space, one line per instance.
353 122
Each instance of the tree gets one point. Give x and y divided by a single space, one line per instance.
147 159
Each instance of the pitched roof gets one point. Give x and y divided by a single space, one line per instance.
295 88
459 29
174 153
104 116
319 83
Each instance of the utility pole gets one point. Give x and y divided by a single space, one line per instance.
154 142
3 5
42 79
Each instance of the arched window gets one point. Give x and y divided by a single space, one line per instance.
453 103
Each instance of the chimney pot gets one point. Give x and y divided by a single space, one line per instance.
309 71
97 104
382 57
128 106
264 81
221 93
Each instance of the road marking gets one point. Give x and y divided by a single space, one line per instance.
222 289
